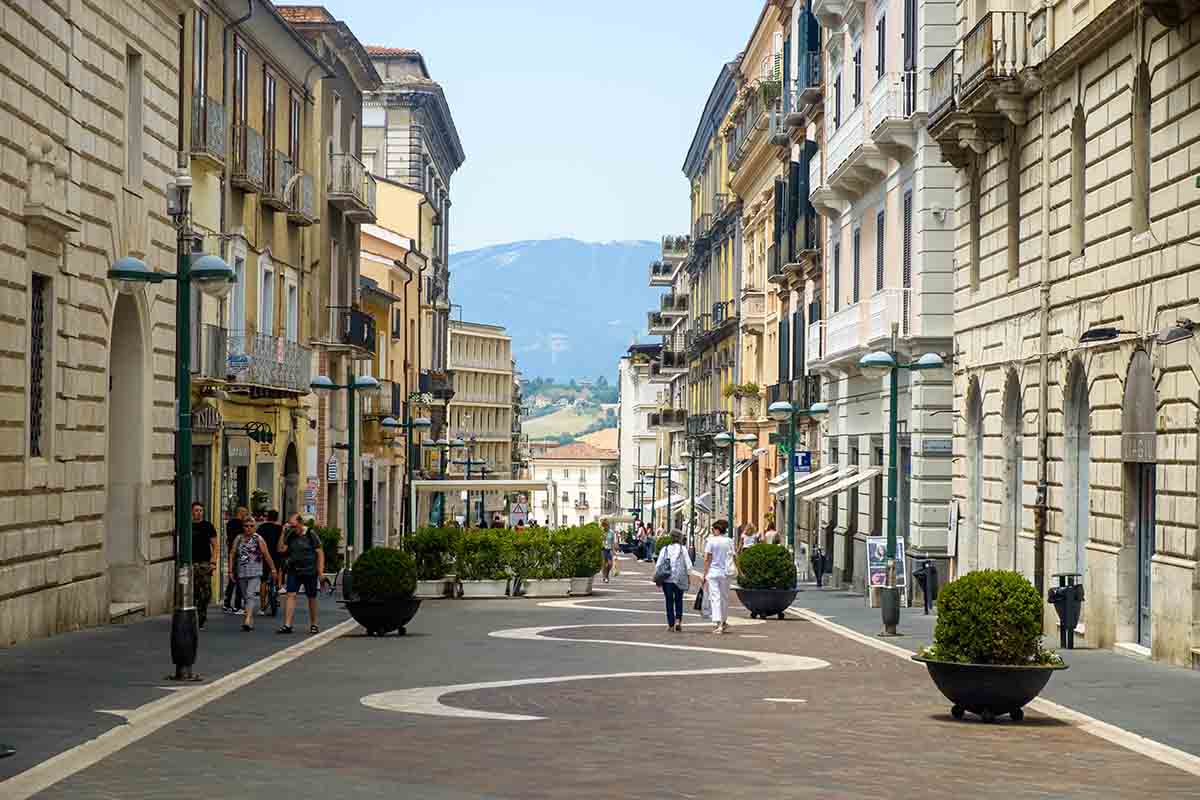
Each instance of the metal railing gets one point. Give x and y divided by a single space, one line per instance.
350 184
673 303
302 208
708 424
276 181
355 328
701 226
382 403
943 88
247 172
656 320
208 127
675 245
673 359
260 359
996 47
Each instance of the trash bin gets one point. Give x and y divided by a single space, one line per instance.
927 577
1067 599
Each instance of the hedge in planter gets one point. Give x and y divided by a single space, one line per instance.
585 556
481 556
766 580
433 550
383 581
987 655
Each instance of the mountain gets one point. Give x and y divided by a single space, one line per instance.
571 307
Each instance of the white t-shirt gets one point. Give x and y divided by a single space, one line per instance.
721 550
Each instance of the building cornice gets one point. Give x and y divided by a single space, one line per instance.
1084 45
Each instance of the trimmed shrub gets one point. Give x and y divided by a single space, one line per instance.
766 566
433 550
584 552
331 543
521 553
384 573
482 555
989 617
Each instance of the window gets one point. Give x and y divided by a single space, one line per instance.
134 103
856 276
1014 204
907 258
1141 150
837 102
40 331
266 308
973 213
857 77
295 118
837 275
1078 181
200 56
337 123
880 45
237 311
241 80
269 127
880 235
293 313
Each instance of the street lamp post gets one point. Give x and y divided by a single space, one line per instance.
669 471
467 463
728 440
690 456
410 426
365 383
445 447
216 278
878 363
783 410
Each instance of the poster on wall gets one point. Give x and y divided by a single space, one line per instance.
877 561
952 532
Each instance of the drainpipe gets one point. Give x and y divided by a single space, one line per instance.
1040 508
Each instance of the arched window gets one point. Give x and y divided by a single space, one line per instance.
969 542
1141 150
1077 476
1012 444
1078 182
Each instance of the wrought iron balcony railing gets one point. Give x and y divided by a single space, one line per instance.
248 171
708 424
279 172
302 210
943 88
351 187
355 328
255 359
208 130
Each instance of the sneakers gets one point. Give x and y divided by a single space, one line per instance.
285 629
313 629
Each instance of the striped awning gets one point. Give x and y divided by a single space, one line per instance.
778 485
812 487
843 485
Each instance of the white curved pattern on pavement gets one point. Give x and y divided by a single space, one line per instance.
428 699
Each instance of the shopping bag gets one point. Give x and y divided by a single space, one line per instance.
699 599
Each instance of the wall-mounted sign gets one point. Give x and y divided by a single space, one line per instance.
802 462
952 533
237 363
237 450
939 446
877 561
206 419
331 470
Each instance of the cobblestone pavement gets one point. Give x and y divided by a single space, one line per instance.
867 724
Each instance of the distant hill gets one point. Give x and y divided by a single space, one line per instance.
571 307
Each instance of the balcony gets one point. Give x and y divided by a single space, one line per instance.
302 209
807 89
439 385
387 401
669 419
673 362
943 89
275 183
675 248
722 204
701 227
777 129
254 361
753 315
208 132
865 326
674 305
708 424
662 274
893 118
834 14
352 188
248 172
659 324
854 163
812 342
353 329
995 53
823 199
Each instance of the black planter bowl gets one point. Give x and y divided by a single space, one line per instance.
988 690
382 617
763 603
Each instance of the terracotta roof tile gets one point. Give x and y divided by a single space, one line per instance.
580 450
380 50
296 14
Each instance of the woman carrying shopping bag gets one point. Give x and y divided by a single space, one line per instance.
671 573
718 571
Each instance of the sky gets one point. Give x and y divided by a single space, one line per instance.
575 116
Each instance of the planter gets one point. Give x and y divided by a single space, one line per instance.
547 587
432 589
381 618
748 407
581 585
763 603
988 690
479 589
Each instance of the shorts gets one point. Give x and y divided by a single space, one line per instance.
309 582
607 554
249 587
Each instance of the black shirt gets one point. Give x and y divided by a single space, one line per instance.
203 534
270 532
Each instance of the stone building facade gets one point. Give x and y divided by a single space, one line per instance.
89 133
1075 290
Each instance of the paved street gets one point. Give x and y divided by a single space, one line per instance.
774 709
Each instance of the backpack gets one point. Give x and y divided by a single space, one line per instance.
302 553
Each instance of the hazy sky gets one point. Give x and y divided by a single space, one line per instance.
575 116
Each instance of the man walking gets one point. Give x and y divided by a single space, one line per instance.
305 565
270 531
233 590
204 553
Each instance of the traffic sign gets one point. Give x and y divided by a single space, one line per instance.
802 462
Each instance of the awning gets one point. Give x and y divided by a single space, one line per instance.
703 504
812 487
742 465
843 485
778 485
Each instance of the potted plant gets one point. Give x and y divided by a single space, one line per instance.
430 548
766 580
547 574
987 655
384 582
481 561
586 557
747 395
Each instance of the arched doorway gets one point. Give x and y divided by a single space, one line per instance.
970 545
291 481
1139 409
1012 435
1072 553
124 552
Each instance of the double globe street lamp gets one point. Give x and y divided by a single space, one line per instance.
880 363
725 440
445 448
410 426
782 411
216 279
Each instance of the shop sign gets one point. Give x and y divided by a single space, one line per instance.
206 419
238 451
331 470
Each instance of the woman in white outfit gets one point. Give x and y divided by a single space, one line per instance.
673 588
718 572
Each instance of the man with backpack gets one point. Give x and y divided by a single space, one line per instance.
305 565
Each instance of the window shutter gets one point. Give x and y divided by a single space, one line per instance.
857 77
881 46
797 345
907 276
787 75
910 41
797 182
880 234
837 102
784 361
856 283
837 275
